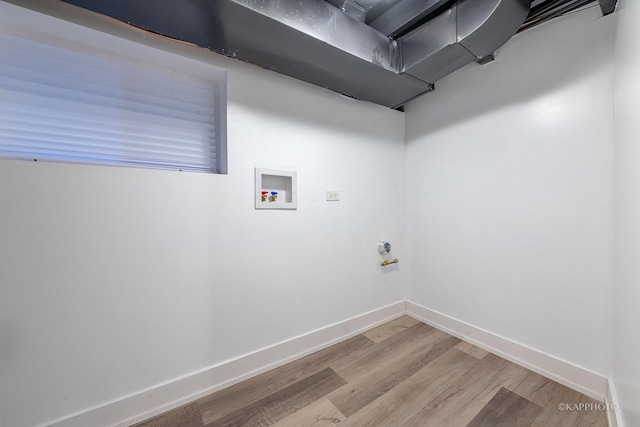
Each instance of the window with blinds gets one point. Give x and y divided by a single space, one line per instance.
68 102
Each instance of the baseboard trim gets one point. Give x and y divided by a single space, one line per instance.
613 411
145 404
612 418
575 377
172 394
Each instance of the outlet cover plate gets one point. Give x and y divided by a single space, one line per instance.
333 196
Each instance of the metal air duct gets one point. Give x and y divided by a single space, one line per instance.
468 31
314 41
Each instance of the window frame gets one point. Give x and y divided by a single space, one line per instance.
64 25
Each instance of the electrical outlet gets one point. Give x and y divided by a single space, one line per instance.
333 196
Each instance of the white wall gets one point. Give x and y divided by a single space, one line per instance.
626 290
114 280
508 192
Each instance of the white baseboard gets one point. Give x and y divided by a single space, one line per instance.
614 416
164 397
139 406
575 377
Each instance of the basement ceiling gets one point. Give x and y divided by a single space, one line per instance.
382 51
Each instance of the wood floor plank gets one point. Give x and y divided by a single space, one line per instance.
283 403
404 373
463 399
594 415
552 415
506 409
354 367
536 388
471 349
358 393
459 403
184 416
562 410
321 413
407 398
230 399
388 329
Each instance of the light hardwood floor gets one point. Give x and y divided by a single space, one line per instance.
401 374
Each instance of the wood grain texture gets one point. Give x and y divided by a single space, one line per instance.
471 349
407 398
404 374
506 409
354 367
319 414
365 389
247 392
467 395
283 403
536 388
389 329
594 415
184 416
553 414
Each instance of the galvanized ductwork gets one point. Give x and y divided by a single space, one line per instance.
353 8
468 31
389 60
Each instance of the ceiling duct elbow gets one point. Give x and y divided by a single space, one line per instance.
469 31
484 26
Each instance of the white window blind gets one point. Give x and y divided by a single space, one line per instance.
69 103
